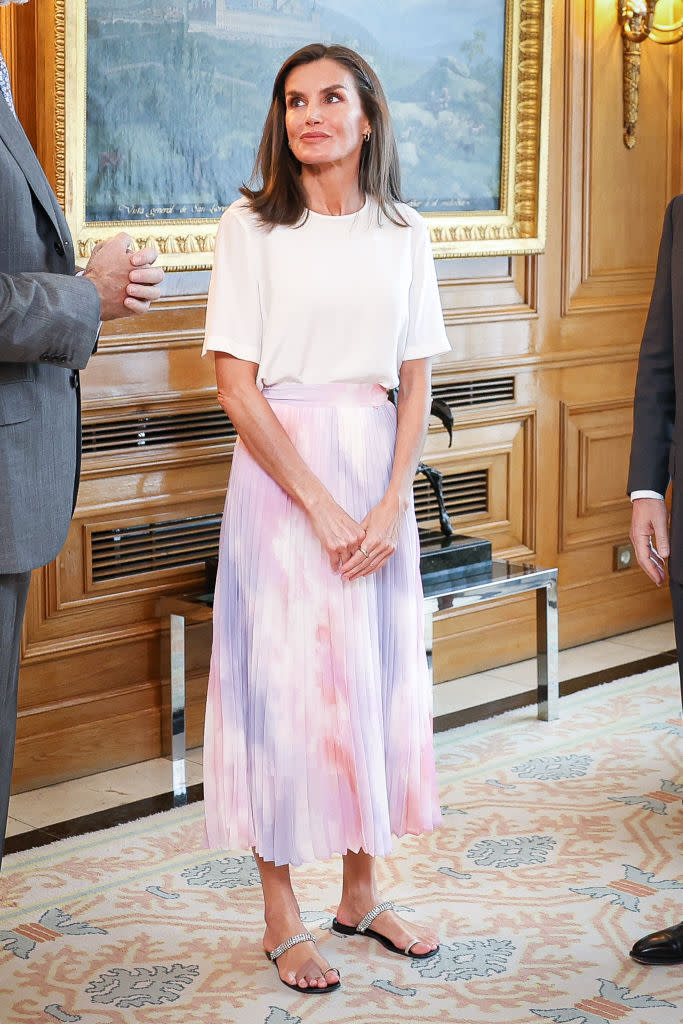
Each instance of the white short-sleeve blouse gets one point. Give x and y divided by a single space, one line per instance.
336 299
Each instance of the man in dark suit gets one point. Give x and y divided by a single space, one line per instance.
656 455
49 324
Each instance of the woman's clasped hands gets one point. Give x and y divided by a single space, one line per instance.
381 526
358 549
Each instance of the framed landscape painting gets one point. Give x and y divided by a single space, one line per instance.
162 106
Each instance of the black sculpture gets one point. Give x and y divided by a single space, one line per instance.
434 477
442 411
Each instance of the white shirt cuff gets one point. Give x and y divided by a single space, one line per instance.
646 494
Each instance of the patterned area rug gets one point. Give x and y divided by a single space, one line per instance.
561 845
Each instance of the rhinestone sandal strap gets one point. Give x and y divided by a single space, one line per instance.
365 922
288 943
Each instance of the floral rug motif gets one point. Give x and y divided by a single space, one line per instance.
561 844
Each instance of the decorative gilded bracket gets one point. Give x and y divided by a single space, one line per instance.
636 20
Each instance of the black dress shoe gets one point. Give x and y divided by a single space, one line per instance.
663 947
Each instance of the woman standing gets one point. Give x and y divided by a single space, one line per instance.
323 295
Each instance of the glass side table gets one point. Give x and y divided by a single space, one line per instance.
178 610
442 591
500 579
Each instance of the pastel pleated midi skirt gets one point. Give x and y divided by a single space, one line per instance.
318 735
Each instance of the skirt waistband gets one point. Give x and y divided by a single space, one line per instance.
327 394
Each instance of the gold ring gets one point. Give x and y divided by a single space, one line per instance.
363 551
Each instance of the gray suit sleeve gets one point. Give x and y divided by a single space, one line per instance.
655 396
49 318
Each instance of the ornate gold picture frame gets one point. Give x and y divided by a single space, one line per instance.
478 110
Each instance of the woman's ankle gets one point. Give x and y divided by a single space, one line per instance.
275 915
355 903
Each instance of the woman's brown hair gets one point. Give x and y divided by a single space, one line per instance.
274 190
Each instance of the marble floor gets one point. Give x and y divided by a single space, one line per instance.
99 801
574 663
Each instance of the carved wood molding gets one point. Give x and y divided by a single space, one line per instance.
586 288
127 344
60 92
170 399
588 517
504 442
68 613
528 363
8 39
216 454
492 298
488 315
18 43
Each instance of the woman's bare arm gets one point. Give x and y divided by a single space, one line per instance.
268 443
383 521
414 403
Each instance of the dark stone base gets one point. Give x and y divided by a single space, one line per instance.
456 555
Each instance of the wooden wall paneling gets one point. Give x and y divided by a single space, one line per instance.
594 289
481 639
604 603
487 314
497 290
82 710
594 512
610 247
17 37
85 608
596 438
174 319
66 750
594 406
503 444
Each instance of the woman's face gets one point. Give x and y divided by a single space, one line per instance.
324 118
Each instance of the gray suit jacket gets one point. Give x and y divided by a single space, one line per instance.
48 329
657 445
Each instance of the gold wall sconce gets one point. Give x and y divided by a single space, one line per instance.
637 22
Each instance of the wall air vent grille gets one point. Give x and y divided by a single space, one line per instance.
144 430
463 394
132 550
464 493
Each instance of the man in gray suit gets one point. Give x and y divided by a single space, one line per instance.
49 324
656 456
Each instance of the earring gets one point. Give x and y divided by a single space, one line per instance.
366 136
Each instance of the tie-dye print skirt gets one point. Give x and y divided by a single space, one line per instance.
318 734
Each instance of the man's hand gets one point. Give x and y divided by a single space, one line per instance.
650 520
126 280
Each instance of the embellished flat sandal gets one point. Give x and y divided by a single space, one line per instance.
363 928
311 989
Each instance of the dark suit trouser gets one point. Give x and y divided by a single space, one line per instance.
13 594
677 604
